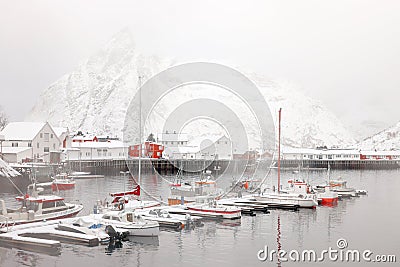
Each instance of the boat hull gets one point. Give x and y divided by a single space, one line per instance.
310 203
60 215
225 213
62 186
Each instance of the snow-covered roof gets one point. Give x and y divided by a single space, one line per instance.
15 150
60 130
198 140
108 144
22 130
180 137
181 150
6 170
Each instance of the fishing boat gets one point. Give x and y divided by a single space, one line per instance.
297 196
327 197
187 192
124 220
62 182
37 208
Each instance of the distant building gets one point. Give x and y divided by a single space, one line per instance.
208 148
336 154
149 150
95 150
29 141
172 139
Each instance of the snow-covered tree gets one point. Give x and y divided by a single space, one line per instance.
3 119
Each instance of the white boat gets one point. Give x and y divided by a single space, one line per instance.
340 186
166 219
85 225
126 200
37 208
124 220
283 198
225 212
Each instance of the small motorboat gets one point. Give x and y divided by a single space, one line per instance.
340 186
36 208
124 220
166 219
62 182
86 225
212 207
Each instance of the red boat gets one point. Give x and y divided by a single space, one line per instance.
62 182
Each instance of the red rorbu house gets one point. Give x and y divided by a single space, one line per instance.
150 150
380 155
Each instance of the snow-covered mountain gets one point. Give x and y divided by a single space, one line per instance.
387 139
95 98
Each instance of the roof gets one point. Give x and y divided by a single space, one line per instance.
22 130
41 198
15 150
60 130
181 137
108 144
197 141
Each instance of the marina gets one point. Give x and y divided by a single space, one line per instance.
264 223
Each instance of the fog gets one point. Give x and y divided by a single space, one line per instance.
344 53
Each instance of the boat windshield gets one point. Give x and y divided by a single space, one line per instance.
30 205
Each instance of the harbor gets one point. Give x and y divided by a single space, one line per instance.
231 234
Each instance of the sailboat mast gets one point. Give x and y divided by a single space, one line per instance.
140 129
279 150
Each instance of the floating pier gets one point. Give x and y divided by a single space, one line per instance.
43 237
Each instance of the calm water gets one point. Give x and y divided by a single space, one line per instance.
369 222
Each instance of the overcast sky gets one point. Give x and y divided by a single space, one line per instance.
345 53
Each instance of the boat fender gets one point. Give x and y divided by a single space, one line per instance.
120 206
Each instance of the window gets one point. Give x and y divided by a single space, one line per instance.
46 149
37 145
51 136
46 137
54 146
226 142
15 144
47 205
41 135
29 144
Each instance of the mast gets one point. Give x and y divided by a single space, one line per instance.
140 129
279 150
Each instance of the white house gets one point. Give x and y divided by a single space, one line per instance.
112 149
29 141
172 139
209 148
